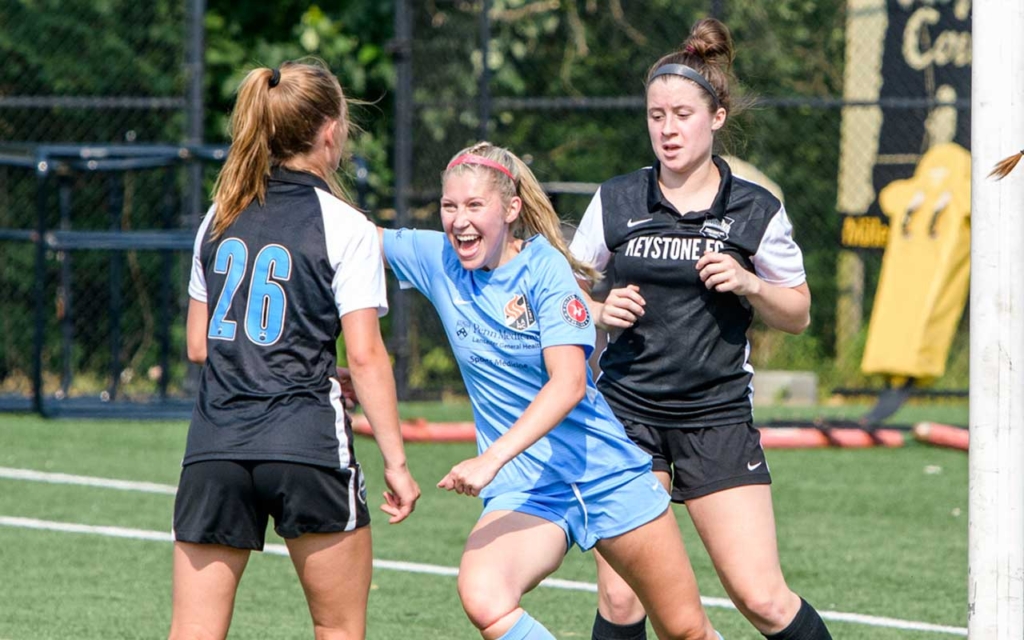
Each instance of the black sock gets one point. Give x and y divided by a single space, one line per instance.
604 630
806 625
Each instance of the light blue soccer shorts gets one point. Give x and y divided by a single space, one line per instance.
591 511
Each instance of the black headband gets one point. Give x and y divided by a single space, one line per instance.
275 77
690 74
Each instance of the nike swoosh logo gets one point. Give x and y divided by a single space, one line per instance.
751 467
460 302
632 223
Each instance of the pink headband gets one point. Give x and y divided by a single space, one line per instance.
472 158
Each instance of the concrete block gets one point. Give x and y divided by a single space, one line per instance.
786 388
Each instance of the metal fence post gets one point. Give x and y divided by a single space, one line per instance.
194 65
39 286
115 203
484 86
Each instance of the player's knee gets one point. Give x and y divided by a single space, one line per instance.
484 601
619 605
766 609
688 628
337 621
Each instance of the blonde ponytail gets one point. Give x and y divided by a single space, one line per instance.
277 116
243 178
539 216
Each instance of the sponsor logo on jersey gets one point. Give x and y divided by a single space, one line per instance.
518 314
716 228
632 223
575 312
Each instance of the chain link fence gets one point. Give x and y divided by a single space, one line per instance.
93 72
847 96
96 202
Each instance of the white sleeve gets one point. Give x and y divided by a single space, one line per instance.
197 278
353 248
779 260
588 245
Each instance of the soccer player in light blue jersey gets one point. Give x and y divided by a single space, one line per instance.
555 467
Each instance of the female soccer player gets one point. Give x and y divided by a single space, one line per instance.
555 467
691 252
278 260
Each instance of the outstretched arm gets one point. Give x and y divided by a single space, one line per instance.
566 386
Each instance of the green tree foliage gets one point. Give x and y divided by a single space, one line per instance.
95 48
351 40
573 50
563 50
789 62
98 72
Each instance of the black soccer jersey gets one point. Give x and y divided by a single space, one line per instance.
276 284
685 363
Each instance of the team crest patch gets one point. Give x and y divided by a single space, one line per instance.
575 312
518 314
715 228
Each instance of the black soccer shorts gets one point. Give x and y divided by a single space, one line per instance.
229 502
704 460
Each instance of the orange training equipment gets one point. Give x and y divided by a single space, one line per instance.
771 437
942 435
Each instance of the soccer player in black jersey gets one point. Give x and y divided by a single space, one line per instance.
281 266
690 252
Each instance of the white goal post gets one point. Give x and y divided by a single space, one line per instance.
995 590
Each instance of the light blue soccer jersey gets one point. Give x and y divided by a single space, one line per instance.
497 323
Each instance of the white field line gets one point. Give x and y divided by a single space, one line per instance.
63 478
408 567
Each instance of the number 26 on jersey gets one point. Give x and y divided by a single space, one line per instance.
266 307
